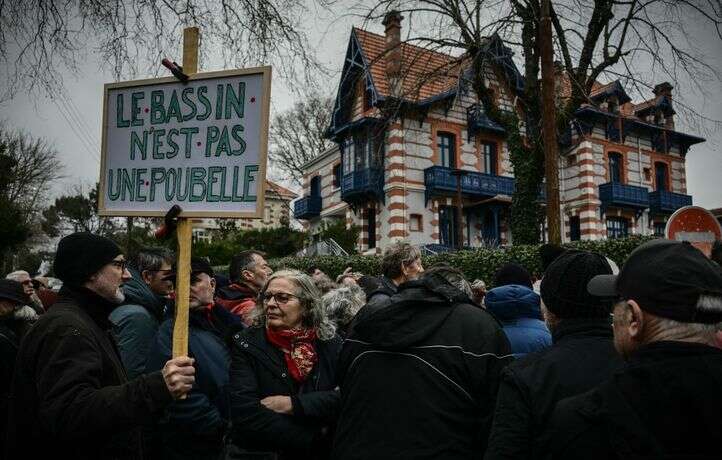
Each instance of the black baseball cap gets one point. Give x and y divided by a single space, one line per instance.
666 278
198 265
12 290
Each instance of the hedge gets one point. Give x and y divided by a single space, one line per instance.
479 263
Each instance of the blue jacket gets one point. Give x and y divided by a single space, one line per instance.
194 427
518 309
135 324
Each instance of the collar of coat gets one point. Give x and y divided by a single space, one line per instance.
98 308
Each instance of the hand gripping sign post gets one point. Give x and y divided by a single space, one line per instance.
197 142
696 225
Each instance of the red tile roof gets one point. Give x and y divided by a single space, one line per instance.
425 73
277 190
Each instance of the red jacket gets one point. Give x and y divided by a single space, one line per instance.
239 299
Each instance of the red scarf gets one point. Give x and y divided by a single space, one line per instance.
298 350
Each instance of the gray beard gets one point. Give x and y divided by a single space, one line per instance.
119 297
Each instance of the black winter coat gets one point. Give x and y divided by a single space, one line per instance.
664 405
258 370
70 397
419 377
581 357
9 344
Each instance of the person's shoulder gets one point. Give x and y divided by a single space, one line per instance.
129 310
475 316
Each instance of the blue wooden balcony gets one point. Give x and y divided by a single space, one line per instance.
661 202
363 185
307 208
441 180
623 196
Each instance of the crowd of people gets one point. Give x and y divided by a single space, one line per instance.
586 362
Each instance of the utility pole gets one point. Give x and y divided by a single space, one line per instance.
549 130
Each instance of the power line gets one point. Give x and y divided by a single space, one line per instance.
78 123
83 142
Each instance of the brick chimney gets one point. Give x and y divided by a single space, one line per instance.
663 89
392 22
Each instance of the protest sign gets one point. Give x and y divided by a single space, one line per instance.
200 144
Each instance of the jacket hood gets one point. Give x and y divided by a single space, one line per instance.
418 309
138 293
513 301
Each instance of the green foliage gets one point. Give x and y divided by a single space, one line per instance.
345 237
479 263
79 211
275 242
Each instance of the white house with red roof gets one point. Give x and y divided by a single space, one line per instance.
621 167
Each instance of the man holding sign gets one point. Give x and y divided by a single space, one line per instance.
70 394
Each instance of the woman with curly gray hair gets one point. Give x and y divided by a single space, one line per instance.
342 304
282 377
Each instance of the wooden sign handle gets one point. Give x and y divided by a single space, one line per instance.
182 287
185 226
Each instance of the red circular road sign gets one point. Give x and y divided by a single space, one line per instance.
696 225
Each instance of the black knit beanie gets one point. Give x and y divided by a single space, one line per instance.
548 253
81 255
564 286
512 273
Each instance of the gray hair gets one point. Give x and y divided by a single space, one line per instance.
152 259
17 275
314 315
396 256
452 276
342 304
705 332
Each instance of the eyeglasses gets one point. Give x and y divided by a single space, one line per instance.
281 298
122 264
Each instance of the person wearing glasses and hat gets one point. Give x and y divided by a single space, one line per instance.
70 396
665 402
194 427
283 374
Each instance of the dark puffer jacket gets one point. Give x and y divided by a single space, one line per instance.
518 308
135 323
258 370
582 356
70 395
194 427
419 377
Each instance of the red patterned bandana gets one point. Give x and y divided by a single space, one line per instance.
298 350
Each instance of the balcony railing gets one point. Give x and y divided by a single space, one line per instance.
362 185
661 202
624 196
441 179
307 207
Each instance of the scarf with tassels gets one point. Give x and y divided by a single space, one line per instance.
298 350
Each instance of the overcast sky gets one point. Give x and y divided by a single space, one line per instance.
72 124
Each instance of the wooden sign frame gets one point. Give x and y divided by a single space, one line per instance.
265 73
